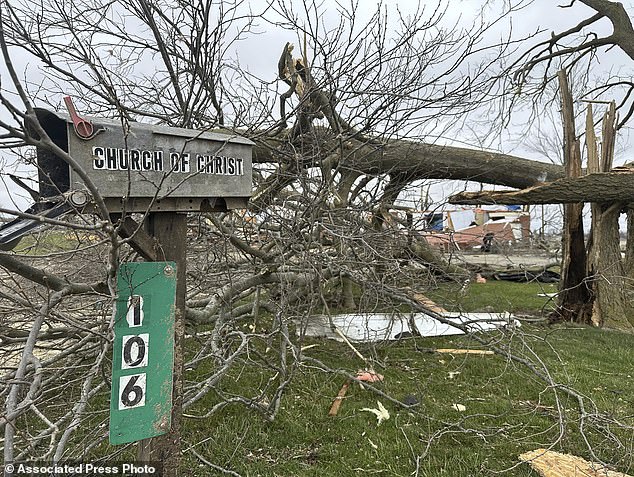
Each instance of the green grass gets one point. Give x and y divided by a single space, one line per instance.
496 296
54 241
44 244
508 410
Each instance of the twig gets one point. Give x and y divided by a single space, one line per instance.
347 341
214 466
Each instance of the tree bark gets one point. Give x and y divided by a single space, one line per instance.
417 160
611 305
606 269
574 301
599 187
628 265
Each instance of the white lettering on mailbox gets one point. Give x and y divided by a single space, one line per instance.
119 159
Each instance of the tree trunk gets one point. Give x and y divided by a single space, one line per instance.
599 187
606 269
347 293
416 160
574 297
612 301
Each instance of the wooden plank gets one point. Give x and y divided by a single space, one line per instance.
464 351
336 404
170 229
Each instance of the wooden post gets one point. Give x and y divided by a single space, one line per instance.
170 230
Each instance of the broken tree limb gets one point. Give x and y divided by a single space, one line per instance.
599 187
347 341
417 160
480 352
142 242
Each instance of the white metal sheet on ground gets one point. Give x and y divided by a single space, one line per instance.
384 326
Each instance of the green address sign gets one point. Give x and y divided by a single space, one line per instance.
143 352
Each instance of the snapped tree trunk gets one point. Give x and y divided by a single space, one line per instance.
606 268
574 302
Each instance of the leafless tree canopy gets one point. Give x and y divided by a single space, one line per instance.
578 49
343 122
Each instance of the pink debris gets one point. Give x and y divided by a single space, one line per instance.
369 376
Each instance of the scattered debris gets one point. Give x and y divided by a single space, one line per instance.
410 400
381 413
428 303
369 376
464 351
404 334
459 407
554 464
452 374
543 276
336 404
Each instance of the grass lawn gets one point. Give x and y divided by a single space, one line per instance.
507 410
475 414
496 296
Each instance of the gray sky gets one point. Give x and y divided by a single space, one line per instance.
259 54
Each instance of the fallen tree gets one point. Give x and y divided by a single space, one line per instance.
595 286
318 234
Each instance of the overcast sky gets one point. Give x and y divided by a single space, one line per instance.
259 54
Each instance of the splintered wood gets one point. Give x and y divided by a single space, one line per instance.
336 404
553 464
429 304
